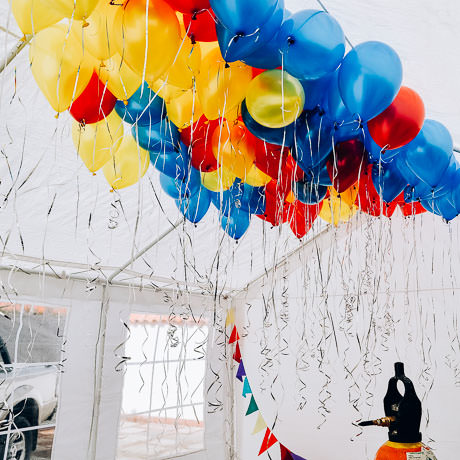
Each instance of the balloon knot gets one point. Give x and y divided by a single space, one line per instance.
94 173
192 39
23 38
291 40
56 116
112 190
125 101
85 23
102 64
227 66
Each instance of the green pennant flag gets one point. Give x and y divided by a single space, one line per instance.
252 406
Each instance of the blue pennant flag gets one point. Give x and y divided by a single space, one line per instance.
241 372
246 388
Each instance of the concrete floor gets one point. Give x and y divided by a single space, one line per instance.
44 446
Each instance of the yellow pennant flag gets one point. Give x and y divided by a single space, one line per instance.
230 317
260 424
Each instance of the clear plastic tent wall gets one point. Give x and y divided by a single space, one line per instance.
137 360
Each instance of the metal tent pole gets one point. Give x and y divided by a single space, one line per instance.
15 51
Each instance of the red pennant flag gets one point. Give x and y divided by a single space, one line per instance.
237 354
285 453
269 440
234 337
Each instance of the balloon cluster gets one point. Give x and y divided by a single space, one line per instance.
242 105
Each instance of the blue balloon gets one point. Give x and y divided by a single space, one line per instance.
277 136
235 47
195 207
144 107
387 181
315 90
429 154
312 43
175 164
313 140
456 196
319 175
248 198
236 223
243 17
409 176
181 188
162 137
442 206
223 201
375 152
309 192
370 78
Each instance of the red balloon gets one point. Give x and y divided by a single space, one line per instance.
400 122
409 209
198 138
201 27
189 6
344 169
276 207
94 103
302 216
369 200
270 158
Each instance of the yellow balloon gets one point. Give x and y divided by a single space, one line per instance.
165 90
256 178
275 99
185 109
149 44
34 15
121 81
348 196
76 9
129 163
97 142
217 180
221 86
335 209
59 65
233 150
97 34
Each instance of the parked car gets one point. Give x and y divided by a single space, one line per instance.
27 399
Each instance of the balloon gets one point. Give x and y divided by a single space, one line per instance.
198 138
315 90
266 57
400 122
181 188
236 46
275 99
241 196
221 86
201 27
94 103
75 9
148 37
309 192
189 6
270 158
279 136
217 180
243 17
429 154
346 164
370 78
127 166
442 206
236 224
319 174
165 90
34 15
312 43
97 143
184 109
97 35
173 164
314 140
162 137
335 210
233 149
388 181
121 81
195 207
411 209
302 218
59 65
375 152
144 107
256 178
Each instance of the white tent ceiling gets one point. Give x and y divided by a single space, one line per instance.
52 208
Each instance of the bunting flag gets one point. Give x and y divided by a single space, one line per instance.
237 354
230 320
285 453
241 372
260 424
269 440
246 387
252 406
234 337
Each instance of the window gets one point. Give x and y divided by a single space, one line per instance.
162 406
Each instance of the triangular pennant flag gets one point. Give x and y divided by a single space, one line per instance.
241 372
285 453
246 388
296 457
234 337
237 354
260 424
230 320
269 440
252 406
